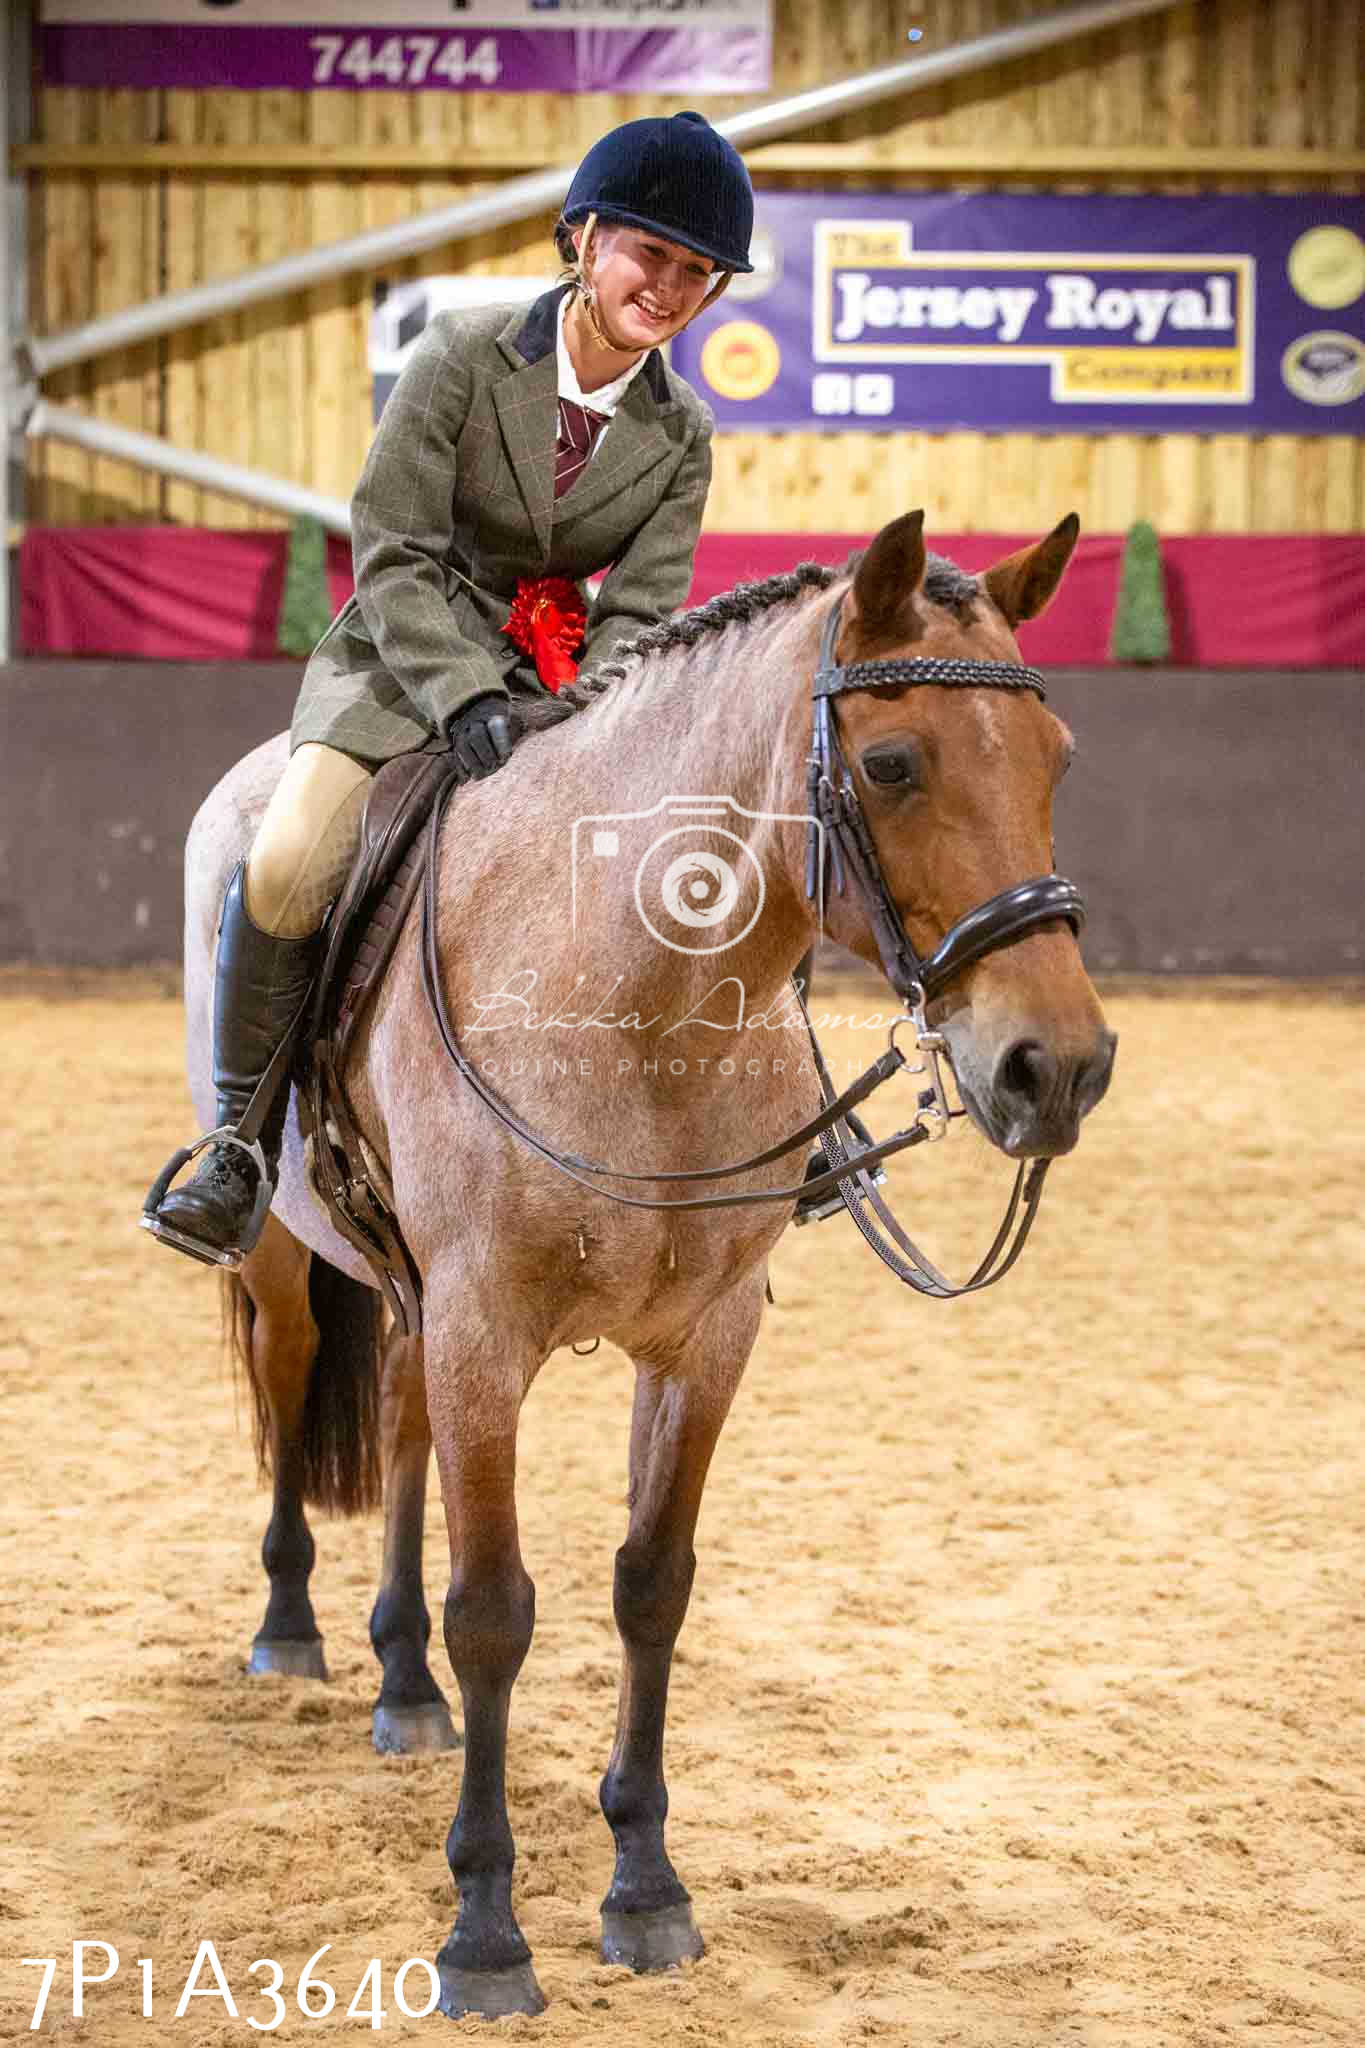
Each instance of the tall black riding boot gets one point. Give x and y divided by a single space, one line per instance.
260 983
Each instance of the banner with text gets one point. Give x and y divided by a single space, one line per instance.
996 311
414 45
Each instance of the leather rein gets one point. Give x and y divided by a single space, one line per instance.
840 845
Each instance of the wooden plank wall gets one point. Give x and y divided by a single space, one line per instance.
285 387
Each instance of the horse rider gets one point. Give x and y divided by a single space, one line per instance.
547 443
517 445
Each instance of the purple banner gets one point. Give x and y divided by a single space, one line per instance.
305 59
998 311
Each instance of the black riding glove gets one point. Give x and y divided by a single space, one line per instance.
480 736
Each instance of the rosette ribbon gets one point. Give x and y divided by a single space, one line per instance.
546 622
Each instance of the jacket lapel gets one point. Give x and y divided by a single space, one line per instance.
527 405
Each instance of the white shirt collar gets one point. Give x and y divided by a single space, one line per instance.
608 396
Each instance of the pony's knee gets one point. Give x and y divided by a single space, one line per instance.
489 1620
650 1593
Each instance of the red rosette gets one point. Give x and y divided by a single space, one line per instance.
546 622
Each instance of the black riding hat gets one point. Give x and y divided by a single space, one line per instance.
675 174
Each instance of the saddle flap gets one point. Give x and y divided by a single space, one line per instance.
368 915
395 785
362 932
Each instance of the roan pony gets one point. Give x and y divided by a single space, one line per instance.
517 1259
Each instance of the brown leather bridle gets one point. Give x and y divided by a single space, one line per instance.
840 845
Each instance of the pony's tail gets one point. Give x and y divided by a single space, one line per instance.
338 1436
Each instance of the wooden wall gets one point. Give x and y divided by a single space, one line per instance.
139 193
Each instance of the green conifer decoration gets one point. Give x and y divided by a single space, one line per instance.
1142 629
306 605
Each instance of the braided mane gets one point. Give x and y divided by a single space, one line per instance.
944 584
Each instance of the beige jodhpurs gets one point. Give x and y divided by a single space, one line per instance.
306 841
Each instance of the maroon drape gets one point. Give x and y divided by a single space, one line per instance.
186 594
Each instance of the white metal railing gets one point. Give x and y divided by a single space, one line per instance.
517 198
102 437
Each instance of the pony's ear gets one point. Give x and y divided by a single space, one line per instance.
891 571
1023 584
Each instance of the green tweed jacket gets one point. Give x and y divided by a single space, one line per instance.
456 504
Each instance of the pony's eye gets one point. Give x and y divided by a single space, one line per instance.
892 765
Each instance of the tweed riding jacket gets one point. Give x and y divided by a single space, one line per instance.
456 504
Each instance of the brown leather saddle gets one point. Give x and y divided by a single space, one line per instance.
362 931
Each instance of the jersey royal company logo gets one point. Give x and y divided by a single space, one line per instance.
1136 329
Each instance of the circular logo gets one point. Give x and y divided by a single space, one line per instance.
740 359
1327 267
765 253
698 890
1326 368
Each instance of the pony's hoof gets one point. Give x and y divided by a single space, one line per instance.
289 1657
489 1994
405 1731
651 1941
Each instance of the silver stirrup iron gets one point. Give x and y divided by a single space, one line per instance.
230 1256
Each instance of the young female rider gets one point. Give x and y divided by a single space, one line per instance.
517 444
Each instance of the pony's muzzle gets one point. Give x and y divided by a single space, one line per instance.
1040 1095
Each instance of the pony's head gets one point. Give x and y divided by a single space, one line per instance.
956 786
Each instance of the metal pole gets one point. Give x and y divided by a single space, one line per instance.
917 74
103 438
518 198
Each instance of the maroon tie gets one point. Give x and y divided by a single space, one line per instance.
579 428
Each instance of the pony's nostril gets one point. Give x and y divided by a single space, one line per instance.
1093 1075
1028 1072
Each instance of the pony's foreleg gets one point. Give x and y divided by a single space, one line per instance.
647 1918
474 1400
411 1712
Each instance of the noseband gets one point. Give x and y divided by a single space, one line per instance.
839 844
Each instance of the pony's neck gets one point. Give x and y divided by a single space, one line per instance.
726 720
